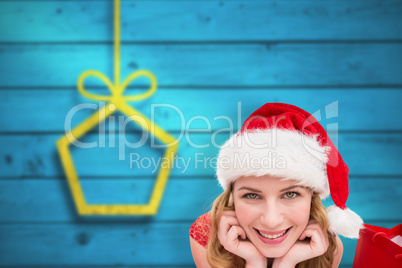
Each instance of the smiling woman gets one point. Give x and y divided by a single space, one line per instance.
273 217
276 215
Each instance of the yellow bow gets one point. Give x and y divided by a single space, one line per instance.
117 90
119 102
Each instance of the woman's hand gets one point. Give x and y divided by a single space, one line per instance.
233 238
315 245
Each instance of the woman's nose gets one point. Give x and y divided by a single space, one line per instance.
272 216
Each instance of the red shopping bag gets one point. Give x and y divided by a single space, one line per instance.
378 247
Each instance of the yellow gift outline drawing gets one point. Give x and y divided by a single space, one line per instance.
116 101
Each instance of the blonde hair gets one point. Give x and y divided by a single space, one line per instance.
218 257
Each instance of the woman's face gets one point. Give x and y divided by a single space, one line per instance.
272 212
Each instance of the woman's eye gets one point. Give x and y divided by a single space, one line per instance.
252 196
290 195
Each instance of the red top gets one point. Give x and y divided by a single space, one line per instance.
201 228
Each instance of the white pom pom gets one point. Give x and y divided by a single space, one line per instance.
344 222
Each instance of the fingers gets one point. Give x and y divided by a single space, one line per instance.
228 219
229 213
234 239
312 225
234 233
319 240
306 249
230 231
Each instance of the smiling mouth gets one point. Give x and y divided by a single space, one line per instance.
275 236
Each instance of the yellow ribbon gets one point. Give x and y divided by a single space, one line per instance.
119 101
115 88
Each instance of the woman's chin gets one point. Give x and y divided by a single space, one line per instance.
272 248
275 254
274 251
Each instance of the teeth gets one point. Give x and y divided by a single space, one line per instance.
272 236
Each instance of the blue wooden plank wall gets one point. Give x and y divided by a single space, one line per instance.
213 60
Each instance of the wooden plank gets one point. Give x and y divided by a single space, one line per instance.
95 244
207 65
28 110
49 200
366 154
139 266
200 20
123 266
107 244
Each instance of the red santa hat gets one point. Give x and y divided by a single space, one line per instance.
285 141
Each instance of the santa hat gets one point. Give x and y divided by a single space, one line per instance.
285 141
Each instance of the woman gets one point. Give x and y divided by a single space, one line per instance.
274 173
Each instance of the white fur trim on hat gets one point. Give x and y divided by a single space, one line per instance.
344 222
277 152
